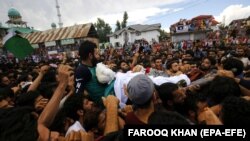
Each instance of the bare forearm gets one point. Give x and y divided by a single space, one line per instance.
51 109
111 118
36 83
134 62
244 91
63 101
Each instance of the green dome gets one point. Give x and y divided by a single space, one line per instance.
53 25
13 13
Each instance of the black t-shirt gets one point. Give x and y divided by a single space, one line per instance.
245 83
82 76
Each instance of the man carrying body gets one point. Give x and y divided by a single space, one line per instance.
85 74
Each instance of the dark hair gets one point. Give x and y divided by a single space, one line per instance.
157 58
235 111
120 62
18 124
169 64
90 120
220 88
47 89
6 92
27 99
1 77
50 76
165 117
59 122
170 54
34 75
165 92
23 77
211 60
146 63
190 52
86 47
234 65
190 103
188 61
212 50
72 105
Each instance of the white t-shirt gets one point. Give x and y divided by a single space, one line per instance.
245 61
75 127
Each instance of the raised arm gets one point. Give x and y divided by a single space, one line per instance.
135 59
50 111
39 78
111 104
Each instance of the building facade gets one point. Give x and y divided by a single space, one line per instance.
130 34
193 29
240 27
53 41
16 24
61 40
194 35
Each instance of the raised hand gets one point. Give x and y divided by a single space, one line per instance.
110 99
44 69
64 72
80 136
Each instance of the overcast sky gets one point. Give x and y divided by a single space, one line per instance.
41 13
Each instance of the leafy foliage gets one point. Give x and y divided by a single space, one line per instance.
103 29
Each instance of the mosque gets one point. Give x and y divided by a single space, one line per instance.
15 22
51 41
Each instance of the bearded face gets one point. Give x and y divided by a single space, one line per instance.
206 65
240 52
175 67
204 68
94 61
124 67
96 57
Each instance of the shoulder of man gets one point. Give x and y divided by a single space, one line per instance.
82 73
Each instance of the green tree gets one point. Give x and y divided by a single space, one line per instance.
118 25
125 18
234 33
163 35
103 29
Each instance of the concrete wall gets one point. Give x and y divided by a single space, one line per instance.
149 35
188 36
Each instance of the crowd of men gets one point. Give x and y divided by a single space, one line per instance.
71 99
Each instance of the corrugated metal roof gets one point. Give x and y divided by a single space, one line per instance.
143 28
24 30
76 31
201 17
138 27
